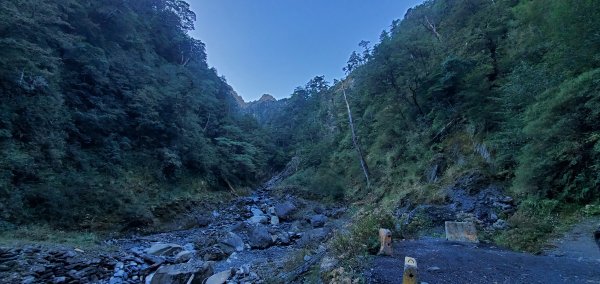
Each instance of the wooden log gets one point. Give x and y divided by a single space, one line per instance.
385 237
410 274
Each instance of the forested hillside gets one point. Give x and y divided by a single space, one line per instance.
108 110
509 89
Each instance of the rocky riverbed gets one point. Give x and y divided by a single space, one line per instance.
274 238
250 240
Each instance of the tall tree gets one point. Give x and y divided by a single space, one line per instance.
355 141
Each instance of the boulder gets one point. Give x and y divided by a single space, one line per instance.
256 212
214 253
219 278
285 210
313 236
240 228
60 279
195 273
318 220
161 249
234 241
283 238
258 216
319 210
184 256
28 280
274 220
258 219
189 246
203 220
259 237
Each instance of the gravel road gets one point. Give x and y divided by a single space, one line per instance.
440 261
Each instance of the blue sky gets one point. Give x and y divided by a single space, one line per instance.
273 46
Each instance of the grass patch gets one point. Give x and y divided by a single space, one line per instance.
323 185
534 223
362 237
45 234
419 226
591 210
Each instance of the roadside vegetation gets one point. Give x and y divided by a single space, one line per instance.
507 88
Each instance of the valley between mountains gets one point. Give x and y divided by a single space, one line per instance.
126 158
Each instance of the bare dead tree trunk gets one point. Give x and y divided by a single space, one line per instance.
432 28
230 187
22 77
207 121
363 164
185 60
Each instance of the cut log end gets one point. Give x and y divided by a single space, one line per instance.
385 237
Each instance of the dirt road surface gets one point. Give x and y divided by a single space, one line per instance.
441 261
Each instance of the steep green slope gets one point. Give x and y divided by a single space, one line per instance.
109 110
506 88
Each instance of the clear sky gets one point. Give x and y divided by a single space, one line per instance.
273 46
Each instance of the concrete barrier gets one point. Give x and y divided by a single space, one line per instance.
461 232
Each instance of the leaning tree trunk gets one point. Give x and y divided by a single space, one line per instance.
363 164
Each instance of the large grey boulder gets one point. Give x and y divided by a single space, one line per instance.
220 278
258 216
274 220
184 256
259 237
162 249
284 210
256 212
234 241
215 253
283 238
314 236
203 220
195 273
318 220
258 219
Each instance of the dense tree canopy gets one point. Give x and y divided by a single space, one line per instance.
108 105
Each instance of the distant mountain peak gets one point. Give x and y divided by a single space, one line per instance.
267 98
